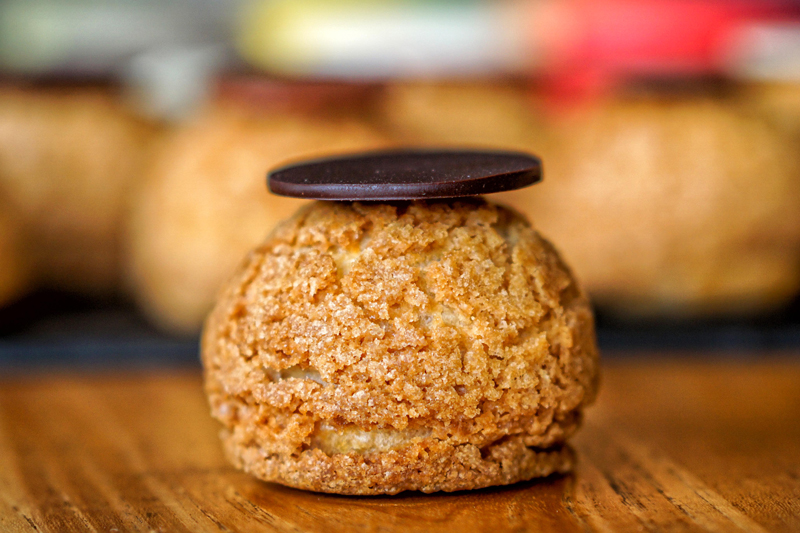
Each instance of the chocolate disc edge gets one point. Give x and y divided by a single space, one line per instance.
406 191
484 184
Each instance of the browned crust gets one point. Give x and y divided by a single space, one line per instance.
452 325
428 467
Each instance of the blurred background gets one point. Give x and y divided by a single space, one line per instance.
135 136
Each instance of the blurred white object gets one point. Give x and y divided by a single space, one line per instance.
169 83
767 52
383 39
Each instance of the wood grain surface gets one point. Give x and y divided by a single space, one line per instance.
673 444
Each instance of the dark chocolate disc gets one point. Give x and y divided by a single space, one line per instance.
406 175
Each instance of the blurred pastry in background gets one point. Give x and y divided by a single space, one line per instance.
204 205
14 272
672 207
68 157
492 114
779 102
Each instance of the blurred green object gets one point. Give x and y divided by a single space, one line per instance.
166 52
94 36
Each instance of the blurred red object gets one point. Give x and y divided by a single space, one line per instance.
590 46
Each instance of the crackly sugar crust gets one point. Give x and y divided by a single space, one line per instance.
376 348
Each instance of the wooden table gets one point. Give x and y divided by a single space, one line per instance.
672 444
